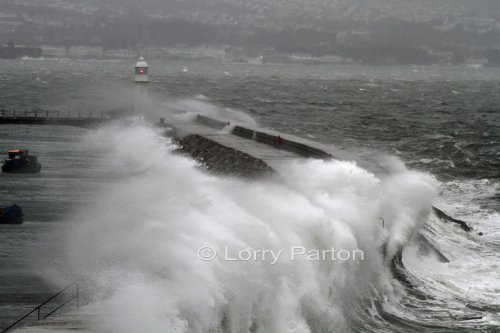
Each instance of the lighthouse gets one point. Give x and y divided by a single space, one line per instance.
142 102
141 71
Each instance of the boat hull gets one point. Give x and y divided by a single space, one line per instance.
22 169
11 215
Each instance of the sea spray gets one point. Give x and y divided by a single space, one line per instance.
136 245
185 109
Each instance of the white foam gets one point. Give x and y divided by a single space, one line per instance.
136 244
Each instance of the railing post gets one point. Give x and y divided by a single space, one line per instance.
46 113
39 312
36 113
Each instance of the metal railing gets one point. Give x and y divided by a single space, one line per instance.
74 296
52 114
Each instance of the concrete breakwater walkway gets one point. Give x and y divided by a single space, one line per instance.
240 144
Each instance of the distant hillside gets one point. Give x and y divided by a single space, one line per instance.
313 13
378 31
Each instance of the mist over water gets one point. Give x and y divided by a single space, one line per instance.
135 246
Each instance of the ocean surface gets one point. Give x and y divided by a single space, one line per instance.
115 210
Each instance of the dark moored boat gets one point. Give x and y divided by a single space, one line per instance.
11 215
20 161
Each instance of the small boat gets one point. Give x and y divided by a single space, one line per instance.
11 215
20 161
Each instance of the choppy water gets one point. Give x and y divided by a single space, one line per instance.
119 205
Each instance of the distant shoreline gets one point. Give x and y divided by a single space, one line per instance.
290 59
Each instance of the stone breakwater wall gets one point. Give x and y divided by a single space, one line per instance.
222 159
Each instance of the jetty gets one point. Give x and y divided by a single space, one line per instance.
272 148
230 148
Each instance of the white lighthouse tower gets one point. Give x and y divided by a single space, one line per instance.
141 71
142 103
